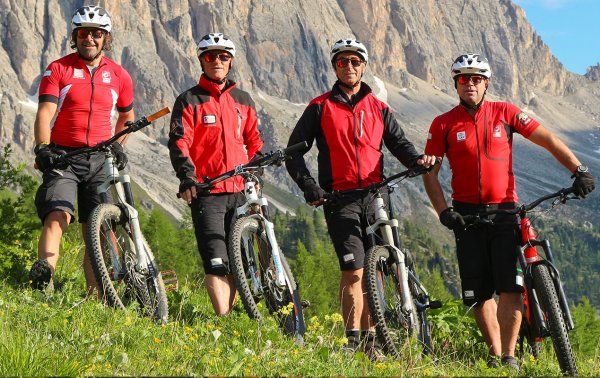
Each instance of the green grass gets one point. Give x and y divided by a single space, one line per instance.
64 333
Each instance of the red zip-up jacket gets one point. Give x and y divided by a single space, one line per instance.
479 150
212 132
85 102
349 136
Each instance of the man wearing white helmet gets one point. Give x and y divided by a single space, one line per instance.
476 136
78 95
214 128
349 126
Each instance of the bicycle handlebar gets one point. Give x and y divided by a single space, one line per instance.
270 158
563 194
132 127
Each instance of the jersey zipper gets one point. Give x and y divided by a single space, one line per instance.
359 181
478 159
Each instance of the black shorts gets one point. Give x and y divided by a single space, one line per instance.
213 217
487 255
80 180
347 220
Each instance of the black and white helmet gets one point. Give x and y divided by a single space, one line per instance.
91 16
216 41
349 45
471 64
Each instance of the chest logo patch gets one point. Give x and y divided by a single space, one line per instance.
461 135
106 77
209 120
78 73
497 133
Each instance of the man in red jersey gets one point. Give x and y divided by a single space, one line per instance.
78 96
214 128
349 126
477 137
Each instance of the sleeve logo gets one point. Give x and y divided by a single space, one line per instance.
523 119
47 73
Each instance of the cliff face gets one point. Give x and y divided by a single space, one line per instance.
283 61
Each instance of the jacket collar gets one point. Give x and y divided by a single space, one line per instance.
214 88
338 95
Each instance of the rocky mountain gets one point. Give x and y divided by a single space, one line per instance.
283 61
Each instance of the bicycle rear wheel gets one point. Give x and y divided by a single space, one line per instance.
113 257
394 326
253 268
546 292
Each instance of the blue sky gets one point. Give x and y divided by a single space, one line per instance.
571 28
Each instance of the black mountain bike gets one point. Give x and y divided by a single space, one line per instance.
545 308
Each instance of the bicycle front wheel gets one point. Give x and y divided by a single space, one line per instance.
253 268
546 292
394 325
113 256
424 328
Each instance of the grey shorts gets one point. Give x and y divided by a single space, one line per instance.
79 181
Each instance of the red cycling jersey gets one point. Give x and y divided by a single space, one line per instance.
86 102
212 132
479 150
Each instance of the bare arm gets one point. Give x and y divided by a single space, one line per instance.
434 189
124 117
41 128
544 138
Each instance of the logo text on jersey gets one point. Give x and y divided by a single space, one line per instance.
497 133
78 73
461 135
209 120
106 77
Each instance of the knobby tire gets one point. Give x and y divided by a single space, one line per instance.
546 292
108 228
248 237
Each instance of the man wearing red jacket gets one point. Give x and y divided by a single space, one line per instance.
214 128
78 96
477 135
349 126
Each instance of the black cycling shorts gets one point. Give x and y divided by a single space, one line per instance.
347 220
80 180
487 255
213 217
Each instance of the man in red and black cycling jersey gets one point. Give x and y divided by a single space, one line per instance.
214 128
78 96
349 126
477 137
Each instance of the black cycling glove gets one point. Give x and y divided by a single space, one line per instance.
47 158
186 183
120 157
584 184
312 191
452 219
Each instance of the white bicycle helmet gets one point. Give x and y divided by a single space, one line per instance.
91 16
471 64
349 45
216 41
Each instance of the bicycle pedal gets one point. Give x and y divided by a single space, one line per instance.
435 304
170 280
305 303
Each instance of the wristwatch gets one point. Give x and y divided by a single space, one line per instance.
581 169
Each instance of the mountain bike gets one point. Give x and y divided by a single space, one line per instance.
545 308
397 299
123 264
258 265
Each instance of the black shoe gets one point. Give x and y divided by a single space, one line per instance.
492 362
40 275
511 362
374 352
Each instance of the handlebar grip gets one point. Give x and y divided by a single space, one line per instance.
164 111
295 147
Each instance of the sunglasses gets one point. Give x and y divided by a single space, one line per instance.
96 33
343 62
211 57
464 80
